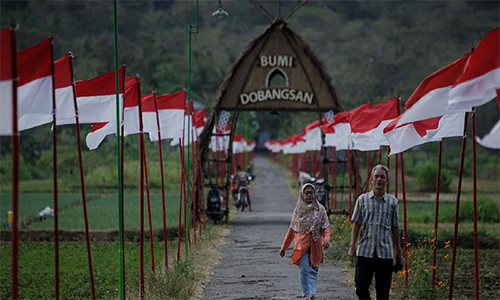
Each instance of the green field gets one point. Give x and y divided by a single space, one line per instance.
31 203
102 212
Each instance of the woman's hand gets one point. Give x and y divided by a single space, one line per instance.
326 245
282 253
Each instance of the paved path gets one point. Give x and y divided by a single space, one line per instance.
251 267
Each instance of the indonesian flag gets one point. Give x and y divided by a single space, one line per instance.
96 99
295 144
402 138
430 99
367 126
63 79
200 117
338 133
491 139
35 86
170 112
239 143
481 79
7 67
189 127
313 136
218 142
130 116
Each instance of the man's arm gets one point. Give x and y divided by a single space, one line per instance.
354 238
397 242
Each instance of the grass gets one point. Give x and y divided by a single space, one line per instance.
103 213
180 281
31 203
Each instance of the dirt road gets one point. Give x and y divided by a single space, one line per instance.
251 267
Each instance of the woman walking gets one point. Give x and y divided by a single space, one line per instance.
310 228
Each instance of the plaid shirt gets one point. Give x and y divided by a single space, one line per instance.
376 220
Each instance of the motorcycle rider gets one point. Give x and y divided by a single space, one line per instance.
240 179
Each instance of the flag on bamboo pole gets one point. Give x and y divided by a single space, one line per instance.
492 138
337 133
63 81
7 65
220 141
200 117
96 99
188 127
296 143
313 135
170 112
130 116
430 99
406 136
34 91
480 81
367 126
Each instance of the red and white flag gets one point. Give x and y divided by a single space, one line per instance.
96 99
35 85
170 112
200 117
130 116
63 80
480 81
220 142
189 128
492 138
430 99
338 133
312 136
406 136
7 69
368 125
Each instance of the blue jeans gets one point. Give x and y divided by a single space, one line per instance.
308 276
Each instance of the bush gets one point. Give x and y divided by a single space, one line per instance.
487 211
426 178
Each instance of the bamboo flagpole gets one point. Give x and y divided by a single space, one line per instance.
15 168
367 184
151 237
405 227
192 181
160 151
141 203
54 172
349 167
122 202
474 212
121 267
436 215
82 182
180 201
457 209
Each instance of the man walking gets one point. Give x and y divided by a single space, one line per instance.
376 213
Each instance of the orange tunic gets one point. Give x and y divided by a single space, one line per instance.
303 242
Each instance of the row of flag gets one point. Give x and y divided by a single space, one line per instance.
434 111
40 81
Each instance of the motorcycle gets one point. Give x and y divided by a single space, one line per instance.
214 204
242 201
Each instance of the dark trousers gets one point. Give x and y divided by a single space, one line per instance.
365 268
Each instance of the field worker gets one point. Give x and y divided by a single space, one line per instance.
376 213
310 228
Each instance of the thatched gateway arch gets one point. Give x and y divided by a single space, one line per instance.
277 71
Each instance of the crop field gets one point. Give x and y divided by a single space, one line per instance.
102 211
36 269
31 203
